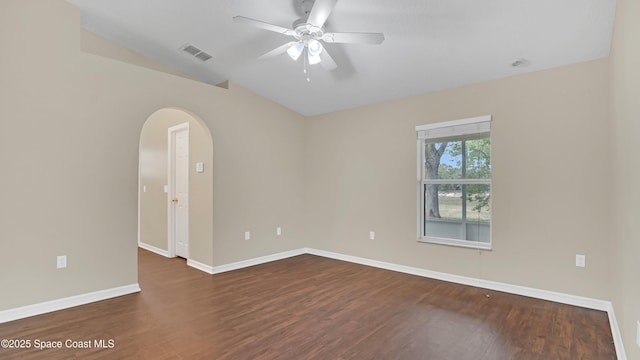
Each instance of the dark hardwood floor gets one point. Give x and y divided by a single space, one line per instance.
309 307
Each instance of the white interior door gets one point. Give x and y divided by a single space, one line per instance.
179 186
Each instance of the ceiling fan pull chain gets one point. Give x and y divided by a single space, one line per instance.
306 62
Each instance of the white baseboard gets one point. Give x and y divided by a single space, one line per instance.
617 336
562 298
65 303
256 261
200 266
154 249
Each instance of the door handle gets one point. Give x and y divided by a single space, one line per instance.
174 200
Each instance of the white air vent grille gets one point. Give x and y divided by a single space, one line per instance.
196 52
191 49
203 56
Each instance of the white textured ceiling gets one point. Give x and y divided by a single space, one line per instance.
429 44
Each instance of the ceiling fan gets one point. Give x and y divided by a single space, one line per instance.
309 33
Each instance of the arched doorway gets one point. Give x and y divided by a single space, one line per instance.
156 185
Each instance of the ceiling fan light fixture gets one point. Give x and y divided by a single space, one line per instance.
295 51
314 48
314 59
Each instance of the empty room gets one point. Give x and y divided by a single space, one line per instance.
320 179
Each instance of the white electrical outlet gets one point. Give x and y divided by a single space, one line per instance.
372 235
61 262
247 235
638 333
278 231
580 260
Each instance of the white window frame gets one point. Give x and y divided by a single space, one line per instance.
454 128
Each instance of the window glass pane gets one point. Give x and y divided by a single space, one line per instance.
443 211
478 158
478 231
451 161
463 159
449 202
478 200
458 211
442 161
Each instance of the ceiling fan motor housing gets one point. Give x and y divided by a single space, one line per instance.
305 31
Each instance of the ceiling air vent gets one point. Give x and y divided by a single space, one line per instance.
203 56
199 54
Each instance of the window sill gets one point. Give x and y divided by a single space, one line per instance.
457 243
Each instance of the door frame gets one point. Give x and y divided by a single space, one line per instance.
171 209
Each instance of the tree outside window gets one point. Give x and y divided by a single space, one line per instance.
457 187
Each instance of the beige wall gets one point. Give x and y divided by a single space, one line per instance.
153 176
550 158
95 44
70 126
626 137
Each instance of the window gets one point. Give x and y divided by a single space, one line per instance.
454 182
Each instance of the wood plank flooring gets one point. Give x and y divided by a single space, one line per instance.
309 307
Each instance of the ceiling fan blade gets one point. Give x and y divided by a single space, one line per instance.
277 51
354 38
263 25
320 12
327 61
